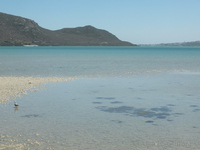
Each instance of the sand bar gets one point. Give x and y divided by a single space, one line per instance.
12 87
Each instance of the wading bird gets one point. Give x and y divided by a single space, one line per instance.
15 104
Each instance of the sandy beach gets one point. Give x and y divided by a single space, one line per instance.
11 87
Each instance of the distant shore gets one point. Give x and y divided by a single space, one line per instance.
12 87
30 45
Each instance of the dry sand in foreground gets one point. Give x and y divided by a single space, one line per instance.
11 87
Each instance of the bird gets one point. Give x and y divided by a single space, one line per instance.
15 104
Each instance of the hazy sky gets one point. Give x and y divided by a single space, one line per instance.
136 21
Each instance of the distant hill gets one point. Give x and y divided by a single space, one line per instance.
193 43
18 31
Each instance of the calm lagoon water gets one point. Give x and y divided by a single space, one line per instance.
96 61
123 98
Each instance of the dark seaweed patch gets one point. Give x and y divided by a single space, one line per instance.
178 114
161 109
149 121
97 102
171 105
169 120
117 121
139 98
162 116
157 112
31 115
106 98
121 109
115 102
143 113
193 106
109 98
99 98
196 110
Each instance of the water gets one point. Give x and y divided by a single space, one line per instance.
123 98
96 61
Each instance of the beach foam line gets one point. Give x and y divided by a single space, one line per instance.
12 87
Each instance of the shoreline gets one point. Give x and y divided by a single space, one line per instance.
12 87
90 108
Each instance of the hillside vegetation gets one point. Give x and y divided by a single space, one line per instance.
18 31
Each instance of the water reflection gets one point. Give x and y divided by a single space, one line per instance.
16 109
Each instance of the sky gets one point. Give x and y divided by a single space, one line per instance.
136 21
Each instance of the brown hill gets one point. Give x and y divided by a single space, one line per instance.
17 31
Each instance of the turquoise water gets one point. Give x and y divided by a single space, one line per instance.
123 98
96 61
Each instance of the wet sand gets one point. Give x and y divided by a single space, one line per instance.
12 87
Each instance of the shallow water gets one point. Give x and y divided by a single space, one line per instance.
124 98
154 112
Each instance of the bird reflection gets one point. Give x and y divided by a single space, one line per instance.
16 106
16 109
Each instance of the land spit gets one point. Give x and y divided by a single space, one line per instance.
12 87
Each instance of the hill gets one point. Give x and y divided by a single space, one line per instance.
193 43
18 31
